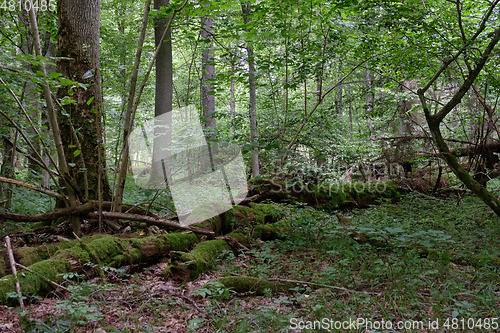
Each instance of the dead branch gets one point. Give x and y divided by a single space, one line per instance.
14 271
52 215
152 220
32 187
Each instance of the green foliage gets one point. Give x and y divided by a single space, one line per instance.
26 202
214 290
389 283
76 310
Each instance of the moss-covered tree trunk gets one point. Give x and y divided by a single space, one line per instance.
78 40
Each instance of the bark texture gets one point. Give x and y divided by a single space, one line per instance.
78 40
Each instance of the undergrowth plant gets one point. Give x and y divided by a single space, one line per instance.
408 274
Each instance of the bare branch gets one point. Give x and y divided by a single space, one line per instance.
33 187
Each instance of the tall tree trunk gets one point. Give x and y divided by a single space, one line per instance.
252 104
163 93
208 75
370 96
30 95
338 101
79 24
232 104
350 109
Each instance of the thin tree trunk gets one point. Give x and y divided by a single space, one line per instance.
252 105
129 115
163 99
338 101
208 75
54 125
370 97
350 108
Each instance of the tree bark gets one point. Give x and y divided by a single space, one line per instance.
163 94
79 25
252 104
207 76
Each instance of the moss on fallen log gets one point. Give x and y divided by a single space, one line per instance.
28 255
187 266
110 251
244 284
325 195
34 283
272 231
207 217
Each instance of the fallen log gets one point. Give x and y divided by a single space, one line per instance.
327 196
244 284
52 215
187 266
110 251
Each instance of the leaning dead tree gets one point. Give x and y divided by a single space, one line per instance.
435 119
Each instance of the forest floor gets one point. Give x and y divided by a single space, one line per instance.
341 280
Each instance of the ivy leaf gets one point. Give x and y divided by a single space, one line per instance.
77 152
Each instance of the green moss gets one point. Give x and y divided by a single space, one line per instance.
76 252
244 284
266 213
240 237
135 254
180 241
200 259
242 209
105 248
29 255
228 221
34 283
271 231
334 196
106 251
7 285
136 242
